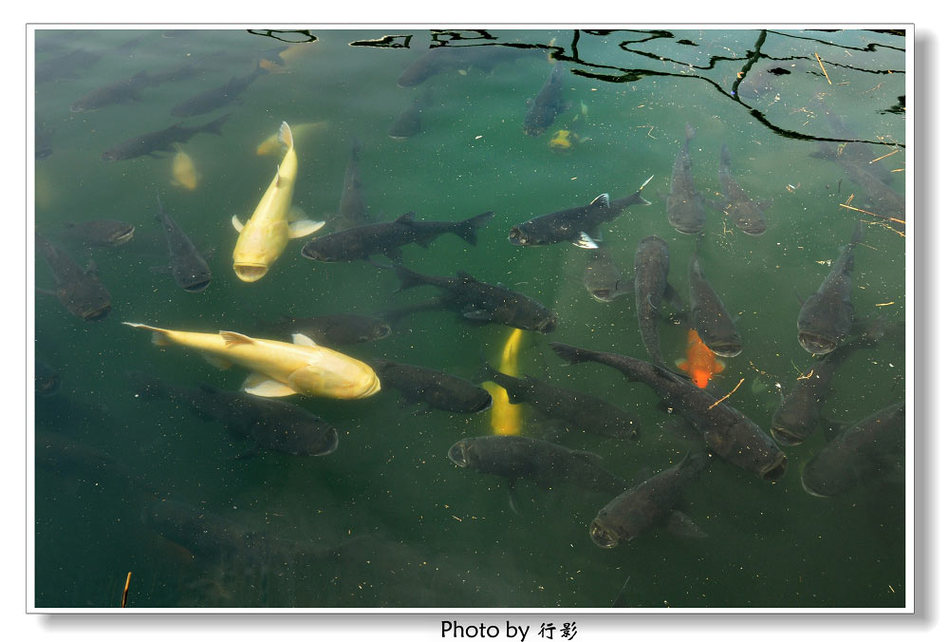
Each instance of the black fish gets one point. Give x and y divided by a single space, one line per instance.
547 104
480 302
433 387
548 464
80 291
189 268
826 316
363 241
123 91
709 316
743 210
333 329
160 141
442 59
409 122
576 224
651 284
685 208
602 279
872 448
569 407
352 209
101 232
269 424
727 432
216 97
647 505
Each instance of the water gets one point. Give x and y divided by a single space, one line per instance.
387 519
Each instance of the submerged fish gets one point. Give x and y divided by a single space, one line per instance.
685 208
547 104
278 369
603 280
333 329
187 265
507 418
216 97
409 122
103 232
709 316
160 141
826 316
122 91
352 209
651 285
576 224
741 208
363 241
446 58
183 172
700 362
80 291
434 388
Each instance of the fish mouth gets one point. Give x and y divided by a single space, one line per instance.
603 296
123 238
816 344
726 349
458 453
547 326
808 489
381 332
753 231
199 286
517 237
773 471
250 272
95 315
110 156
785 437
372 389
602 536
330 446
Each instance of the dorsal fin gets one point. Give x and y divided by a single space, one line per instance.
603 200
303 340
234 338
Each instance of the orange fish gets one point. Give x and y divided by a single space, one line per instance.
700 361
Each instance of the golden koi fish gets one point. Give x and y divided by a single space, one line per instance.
506 418
183 172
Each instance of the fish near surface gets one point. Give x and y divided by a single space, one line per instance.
103 232
700 362
263 238
547 104
271 146
216 97
741 208
278 369
409 122
333 329
443 59
434 388
161 141
603 280
79 291
709 316
188 267
826 317
685 208
866 452
576 224
727 432
647 505
651 285
515 457
483 303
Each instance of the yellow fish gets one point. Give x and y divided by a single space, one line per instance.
278 368
273 146
506 418
262 240
183 172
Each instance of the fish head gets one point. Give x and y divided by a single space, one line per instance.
725 347
380 331
459 453
816 343
774 469
602 535
701 377
195 282
546 324
786 435
110 155
520 235
250 272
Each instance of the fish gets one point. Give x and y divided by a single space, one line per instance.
432 387
183 172
216 97
363 241
278 369
571 408
726 431
42 141
272 146
648 505
700 362
865 452
442 59
46 380
268 424
352 210
409 122
709 316
187 265
333 329
102 232
79 290
67 65
506 418
651 286
483 303
547 104
603 280
685 207
576 224
516 457
161 141
263 238
826 317
122 91
741 208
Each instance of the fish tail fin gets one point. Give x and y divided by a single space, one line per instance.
468 228
570 354
689 132
159 335
408 278
214 127
640 200
285 136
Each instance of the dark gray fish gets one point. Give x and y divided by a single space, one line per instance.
188 267
515 457
363 241
571 408
62 454
577 224
685 208
435 388
409 122
651 284
160 141
547 104
46 380
353 210
826 317
42 141
333 329
439 60
709 316
103 232
67 65
269 424
647 505
741 208
483 303
867 451
726 431
80 291
216 97
122 91
602 279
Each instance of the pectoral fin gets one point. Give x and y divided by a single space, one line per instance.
681 525
217 362
304 227
237 223
586 242
263 386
